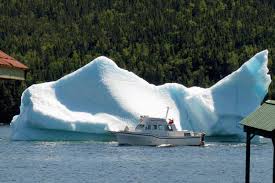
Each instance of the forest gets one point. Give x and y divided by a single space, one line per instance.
191 42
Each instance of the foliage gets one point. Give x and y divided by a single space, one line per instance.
192 42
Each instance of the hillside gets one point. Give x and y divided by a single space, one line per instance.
188 42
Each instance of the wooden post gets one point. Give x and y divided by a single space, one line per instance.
273 141
247 167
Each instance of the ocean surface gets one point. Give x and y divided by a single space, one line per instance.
220 161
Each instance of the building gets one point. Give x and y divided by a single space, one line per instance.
261 122
10 68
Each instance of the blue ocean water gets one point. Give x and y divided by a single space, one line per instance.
90 161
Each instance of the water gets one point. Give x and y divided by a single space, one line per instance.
89 161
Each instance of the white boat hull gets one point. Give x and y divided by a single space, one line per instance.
133 138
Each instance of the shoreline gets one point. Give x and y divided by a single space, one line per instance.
4 124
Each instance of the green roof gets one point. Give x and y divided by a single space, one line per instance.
263 118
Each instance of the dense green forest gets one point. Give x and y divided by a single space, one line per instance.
188 42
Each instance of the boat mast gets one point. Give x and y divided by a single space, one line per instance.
167 112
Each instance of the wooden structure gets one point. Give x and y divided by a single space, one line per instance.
11 68
261 122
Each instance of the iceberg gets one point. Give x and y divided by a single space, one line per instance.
101 96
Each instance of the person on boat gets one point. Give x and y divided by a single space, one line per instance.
171 121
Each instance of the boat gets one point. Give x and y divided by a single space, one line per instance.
152 131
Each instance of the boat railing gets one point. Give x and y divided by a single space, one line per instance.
184 133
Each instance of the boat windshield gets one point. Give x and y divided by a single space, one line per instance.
140 127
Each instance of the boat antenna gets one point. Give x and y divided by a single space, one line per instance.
167 112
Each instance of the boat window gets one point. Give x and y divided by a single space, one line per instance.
187 134
148 127
141 126
155 127
161 127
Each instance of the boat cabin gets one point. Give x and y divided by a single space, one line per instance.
157 131
158 124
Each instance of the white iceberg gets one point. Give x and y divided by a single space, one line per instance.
101 96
